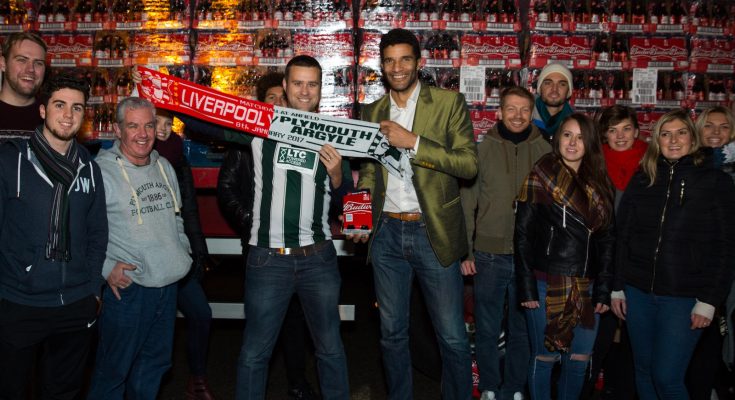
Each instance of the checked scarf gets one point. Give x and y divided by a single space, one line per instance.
567 305
568 300
61 170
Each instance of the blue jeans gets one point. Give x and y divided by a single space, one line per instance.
573 370
662 342
194 305
494 280
399 251
270 282
293 343
136 340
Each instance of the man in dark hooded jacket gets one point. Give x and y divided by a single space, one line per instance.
53 237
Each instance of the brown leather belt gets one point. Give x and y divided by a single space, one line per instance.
405 216
305 251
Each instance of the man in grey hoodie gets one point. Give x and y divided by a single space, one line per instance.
148 252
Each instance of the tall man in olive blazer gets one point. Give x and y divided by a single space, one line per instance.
446 152
419 228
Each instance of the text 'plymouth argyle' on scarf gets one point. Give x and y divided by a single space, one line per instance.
352 138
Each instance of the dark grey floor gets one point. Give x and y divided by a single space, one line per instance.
360 338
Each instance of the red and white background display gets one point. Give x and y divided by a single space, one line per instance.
474 46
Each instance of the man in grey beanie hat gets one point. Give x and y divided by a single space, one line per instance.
554 88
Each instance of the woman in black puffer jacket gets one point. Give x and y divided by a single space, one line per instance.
563 255
674 254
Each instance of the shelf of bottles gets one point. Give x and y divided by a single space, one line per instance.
100 40
688 45
480 47
473 46
237 42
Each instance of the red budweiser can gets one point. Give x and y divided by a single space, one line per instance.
357 213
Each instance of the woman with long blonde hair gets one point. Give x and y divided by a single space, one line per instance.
675 244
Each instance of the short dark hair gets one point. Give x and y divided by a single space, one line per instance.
161 112
614 115
400 36
63 81
18 37
266 82
516 91
303 61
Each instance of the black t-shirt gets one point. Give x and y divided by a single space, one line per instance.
18 121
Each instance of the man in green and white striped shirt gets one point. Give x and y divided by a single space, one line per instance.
291 248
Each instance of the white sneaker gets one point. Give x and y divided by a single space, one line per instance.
517 396
487 395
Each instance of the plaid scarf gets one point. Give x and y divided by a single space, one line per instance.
568 300
61 170
550 181
567 305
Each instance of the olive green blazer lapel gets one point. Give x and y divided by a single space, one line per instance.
421 118
423 111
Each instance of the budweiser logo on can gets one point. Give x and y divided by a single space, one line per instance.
357 213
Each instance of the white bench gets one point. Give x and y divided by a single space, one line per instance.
231 246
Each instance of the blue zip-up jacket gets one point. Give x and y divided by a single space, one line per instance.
26 276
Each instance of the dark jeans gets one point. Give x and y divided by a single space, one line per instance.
400 251
136 341
493 283
293 343
663 342
270 282
62 334
192 302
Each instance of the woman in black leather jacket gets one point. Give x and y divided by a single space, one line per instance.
674 254
563 255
